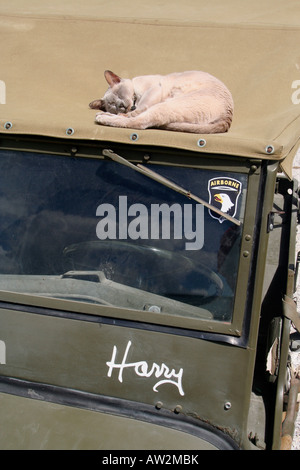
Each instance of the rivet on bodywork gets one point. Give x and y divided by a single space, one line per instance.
227 405
178 409
8 125
70 131
269 149
154 308
201 143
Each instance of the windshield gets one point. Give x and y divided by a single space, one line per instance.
96 231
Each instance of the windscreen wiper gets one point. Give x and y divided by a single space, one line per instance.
162 180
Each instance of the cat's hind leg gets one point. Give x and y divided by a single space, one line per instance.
182 127
200 128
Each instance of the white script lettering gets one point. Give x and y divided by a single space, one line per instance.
142 369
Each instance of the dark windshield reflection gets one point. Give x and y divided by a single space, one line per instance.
63 214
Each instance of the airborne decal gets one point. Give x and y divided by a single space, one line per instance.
224 194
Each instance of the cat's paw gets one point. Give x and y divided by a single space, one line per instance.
99 114
100 118
103 117
107 119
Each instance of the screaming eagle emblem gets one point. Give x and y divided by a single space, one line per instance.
224 194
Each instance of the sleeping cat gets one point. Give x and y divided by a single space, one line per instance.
188 102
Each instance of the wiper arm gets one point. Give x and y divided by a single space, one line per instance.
162 180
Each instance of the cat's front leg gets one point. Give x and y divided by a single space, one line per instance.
151 97
114 120
134 113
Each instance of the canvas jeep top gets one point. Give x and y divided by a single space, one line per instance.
147 276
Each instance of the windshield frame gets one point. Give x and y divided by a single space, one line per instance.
167 158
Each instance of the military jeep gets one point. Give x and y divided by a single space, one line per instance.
147 276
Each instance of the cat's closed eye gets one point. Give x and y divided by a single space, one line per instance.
112 107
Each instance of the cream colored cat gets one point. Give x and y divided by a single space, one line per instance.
187 102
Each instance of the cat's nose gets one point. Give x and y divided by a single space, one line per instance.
132 108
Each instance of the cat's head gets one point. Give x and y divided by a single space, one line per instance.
119 98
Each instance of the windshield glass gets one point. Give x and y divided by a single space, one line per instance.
96 231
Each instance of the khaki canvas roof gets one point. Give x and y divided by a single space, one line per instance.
54 53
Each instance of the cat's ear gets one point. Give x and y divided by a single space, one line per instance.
111 78
97 104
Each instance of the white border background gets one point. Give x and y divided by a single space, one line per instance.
296 354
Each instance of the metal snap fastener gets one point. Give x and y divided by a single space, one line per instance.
134 137
269 149
8 125
70 131
201 143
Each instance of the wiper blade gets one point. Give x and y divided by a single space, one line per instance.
162 180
